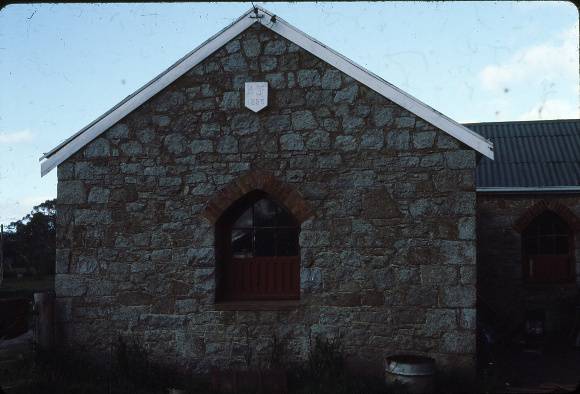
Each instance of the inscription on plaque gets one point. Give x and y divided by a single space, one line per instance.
256 97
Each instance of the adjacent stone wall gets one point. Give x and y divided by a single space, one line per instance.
388 256
501 218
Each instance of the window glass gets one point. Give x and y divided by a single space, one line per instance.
546 245
245 220
265 212
547 234
560 227
561 245
242 243
265 242
264 229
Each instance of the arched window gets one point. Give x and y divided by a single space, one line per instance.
258 251
547 250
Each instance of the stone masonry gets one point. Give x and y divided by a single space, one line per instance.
501 219
387 237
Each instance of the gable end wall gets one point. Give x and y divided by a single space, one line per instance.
388 260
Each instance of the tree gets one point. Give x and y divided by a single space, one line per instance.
31 241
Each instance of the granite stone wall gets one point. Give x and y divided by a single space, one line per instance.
500 221
387 254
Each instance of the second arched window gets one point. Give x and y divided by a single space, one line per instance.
547 253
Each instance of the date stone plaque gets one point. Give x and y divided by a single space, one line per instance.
256 97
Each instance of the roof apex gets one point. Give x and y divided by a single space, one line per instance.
77 141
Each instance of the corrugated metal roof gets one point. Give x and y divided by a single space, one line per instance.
530 154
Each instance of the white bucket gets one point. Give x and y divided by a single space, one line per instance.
416 373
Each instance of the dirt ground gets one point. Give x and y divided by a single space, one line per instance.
551 366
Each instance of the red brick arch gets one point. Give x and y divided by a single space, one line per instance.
547 205
257 180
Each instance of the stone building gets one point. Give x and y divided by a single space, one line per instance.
344 208
528 210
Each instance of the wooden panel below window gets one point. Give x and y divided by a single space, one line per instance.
549 268
263 278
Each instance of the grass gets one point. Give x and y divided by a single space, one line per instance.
130 371
326 372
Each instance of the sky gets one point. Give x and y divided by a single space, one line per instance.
63 65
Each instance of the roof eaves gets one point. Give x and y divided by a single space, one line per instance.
523 122
545 189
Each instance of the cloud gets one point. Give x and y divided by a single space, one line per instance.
15 137
551 109
555 59
13 210
32 201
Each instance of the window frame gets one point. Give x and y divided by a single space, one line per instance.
543 257
226 290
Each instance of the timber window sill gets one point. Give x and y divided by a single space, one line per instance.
282 305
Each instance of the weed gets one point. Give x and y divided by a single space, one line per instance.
130 372
326 372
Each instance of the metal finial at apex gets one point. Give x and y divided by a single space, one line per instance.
256 10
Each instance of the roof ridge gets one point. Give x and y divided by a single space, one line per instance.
525 121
